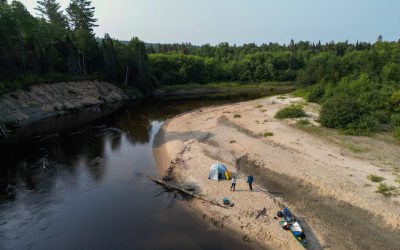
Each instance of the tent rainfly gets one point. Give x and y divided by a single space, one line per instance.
218 171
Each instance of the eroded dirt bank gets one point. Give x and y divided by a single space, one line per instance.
23 107
324 184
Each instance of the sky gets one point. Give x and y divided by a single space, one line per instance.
245 21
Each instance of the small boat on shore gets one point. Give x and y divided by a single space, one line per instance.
289 222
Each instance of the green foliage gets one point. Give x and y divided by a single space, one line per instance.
316 93
218 86
357 84
168 69
387 190
381 116
267 133
344 112
58 47
394 101
303 122
364 126
375 178
395 120
293 111
391 72
236 116
396 132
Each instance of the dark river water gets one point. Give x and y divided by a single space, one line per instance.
86 186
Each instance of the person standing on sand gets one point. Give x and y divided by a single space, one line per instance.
233 181
250 180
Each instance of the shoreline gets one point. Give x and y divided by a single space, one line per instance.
198 207
190 142
181 91
23 108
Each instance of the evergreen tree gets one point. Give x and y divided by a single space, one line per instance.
50 11
81 16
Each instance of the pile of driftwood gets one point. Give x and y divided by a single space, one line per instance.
185 191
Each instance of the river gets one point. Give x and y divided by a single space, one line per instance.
86 187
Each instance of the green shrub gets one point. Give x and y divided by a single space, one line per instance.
316 93
365 126
293 111
303 122
387 190
395 120
382 116
344 112
394 101
267 133
396 133
236 116
340 111
375 178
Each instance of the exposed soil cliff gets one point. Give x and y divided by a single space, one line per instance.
23 107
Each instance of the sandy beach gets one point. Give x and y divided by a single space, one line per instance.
319 173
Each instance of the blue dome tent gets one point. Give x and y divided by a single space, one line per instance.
217 172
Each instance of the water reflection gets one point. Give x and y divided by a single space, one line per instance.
86 187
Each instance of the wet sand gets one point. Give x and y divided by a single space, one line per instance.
323 184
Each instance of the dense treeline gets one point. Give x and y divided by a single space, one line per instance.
62 46
357 84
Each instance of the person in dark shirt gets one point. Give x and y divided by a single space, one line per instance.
250 180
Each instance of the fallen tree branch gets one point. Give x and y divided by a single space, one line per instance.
262 212
172 186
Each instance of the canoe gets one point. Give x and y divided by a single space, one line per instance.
289 222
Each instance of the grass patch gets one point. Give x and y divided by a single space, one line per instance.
300 92
236 116
353 148
375 178
259 106
387 190
303 122
397 180
267 133
293 111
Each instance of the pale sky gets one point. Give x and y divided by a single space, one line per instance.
245 21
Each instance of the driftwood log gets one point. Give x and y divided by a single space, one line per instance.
175 187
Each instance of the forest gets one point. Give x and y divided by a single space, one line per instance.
357 84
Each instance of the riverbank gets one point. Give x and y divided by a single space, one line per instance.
23 107
214 88
324 180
